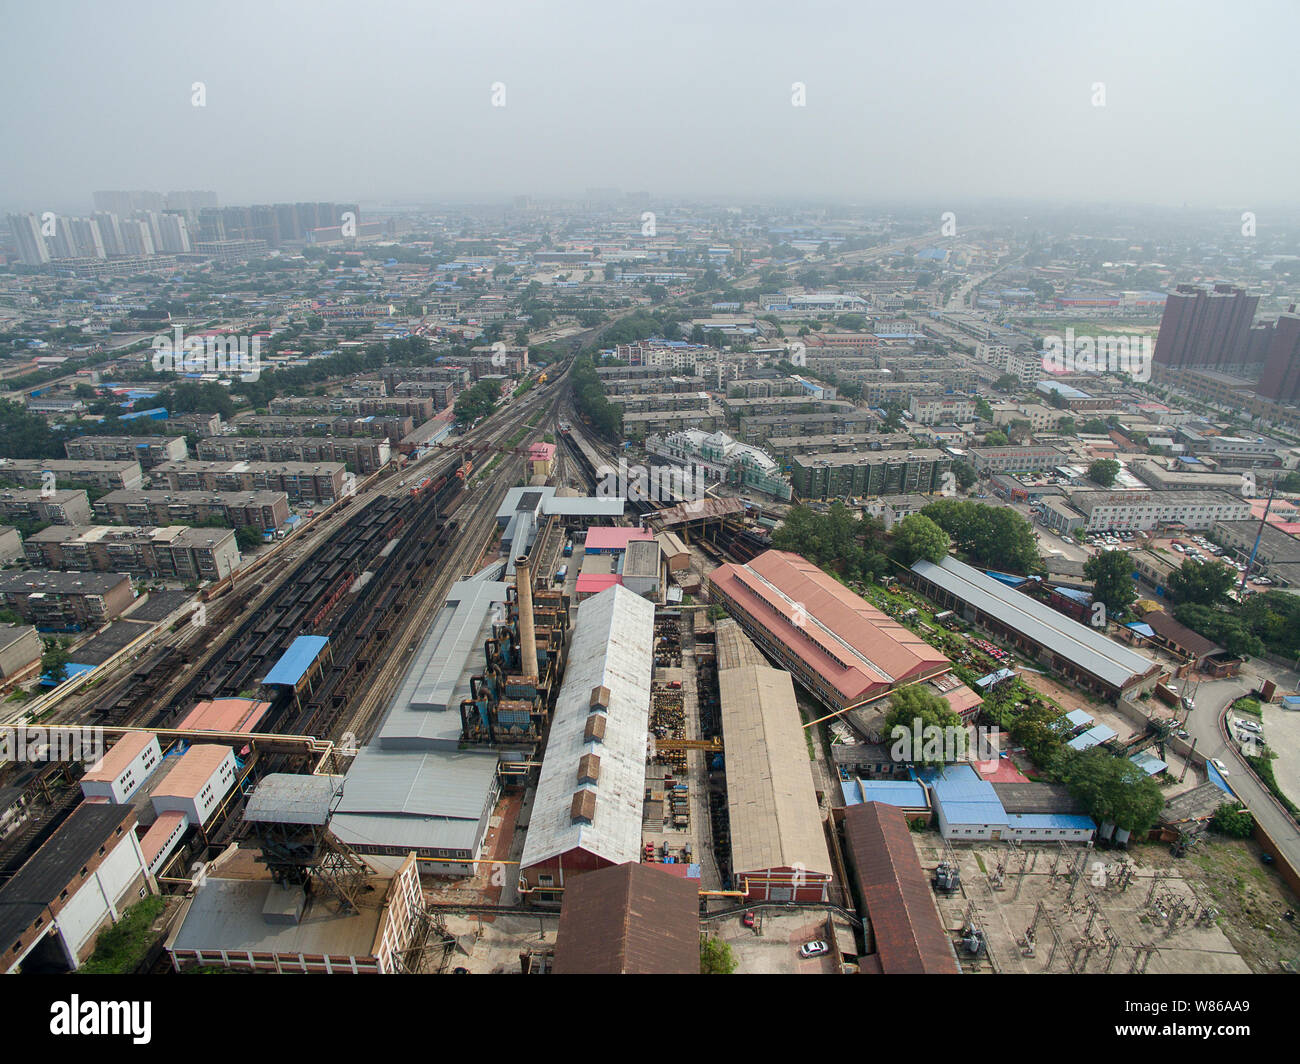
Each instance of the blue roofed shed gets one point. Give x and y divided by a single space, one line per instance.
300 664
1094 736
907 795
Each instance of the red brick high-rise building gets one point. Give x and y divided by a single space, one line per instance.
1204 329
1281 377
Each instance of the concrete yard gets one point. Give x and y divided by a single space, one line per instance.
1078 930
772 948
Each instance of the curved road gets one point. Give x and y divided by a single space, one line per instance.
1203 725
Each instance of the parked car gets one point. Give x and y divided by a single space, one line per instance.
1223 769
748 919
813 949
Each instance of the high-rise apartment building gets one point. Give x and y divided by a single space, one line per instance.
1208 329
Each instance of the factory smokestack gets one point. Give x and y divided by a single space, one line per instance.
527 636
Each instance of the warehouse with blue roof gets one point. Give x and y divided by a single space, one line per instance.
968 809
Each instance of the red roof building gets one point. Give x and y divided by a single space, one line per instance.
841 648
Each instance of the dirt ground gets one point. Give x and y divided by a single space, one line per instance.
1250 896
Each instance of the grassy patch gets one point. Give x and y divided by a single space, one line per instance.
1263 767
1247 705
122 947
980 861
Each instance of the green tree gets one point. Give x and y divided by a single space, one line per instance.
1103 471
912 711
716 957
247 538
1111 573
1112 789
916 537
55 659
1037 728
1234 821
983 410
1205 583
996 438
1007 382
988 535
1222 626
965 474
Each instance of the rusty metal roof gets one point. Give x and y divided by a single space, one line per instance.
631 919
892 888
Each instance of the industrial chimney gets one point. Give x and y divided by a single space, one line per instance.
527 636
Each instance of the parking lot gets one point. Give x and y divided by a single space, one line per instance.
771 947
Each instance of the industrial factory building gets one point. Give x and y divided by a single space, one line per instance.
240 919
435 805
842 649
905 935
412 789
588 808
1082 654
89 871
629 919
778 845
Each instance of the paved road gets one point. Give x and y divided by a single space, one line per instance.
1203 725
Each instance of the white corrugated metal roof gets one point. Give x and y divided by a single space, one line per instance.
612 647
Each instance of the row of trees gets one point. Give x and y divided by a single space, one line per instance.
988 535
838 539
589 395
477 401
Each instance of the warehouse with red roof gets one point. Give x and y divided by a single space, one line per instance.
837 645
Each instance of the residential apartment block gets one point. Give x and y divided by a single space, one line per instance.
837 476
174 552
263 510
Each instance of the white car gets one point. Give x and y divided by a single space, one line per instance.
1223 769
813 949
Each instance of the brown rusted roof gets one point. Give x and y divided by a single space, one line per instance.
1168 628
629 919
588 768
583 806
894 891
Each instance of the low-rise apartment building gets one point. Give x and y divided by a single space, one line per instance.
66 601
941 409
1142 511
303 482
147 450
53 474
836 476
171 553
57 507
1032 459
362 454
263 510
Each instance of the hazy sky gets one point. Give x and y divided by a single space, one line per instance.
928 103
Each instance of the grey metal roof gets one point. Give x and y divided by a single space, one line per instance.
439 661
287 798
1068 639
438 783
588 506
